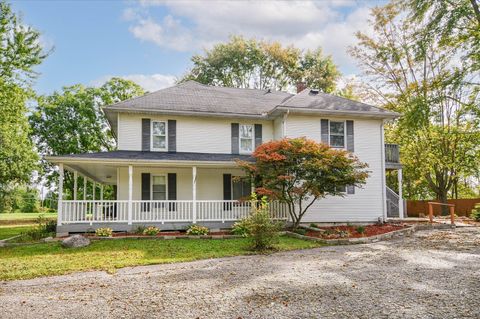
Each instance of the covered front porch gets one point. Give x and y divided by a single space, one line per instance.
168 193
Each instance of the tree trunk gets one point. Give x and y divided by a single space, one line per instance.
442 197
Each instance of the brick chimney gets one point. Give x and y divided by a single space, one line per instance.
301 86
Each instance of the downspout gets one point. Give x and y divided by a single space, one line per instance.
284 122
384 181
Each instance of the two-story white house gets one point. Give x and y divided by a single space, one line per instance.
177 151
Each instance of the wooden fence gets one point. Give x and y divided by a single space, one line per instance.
463 207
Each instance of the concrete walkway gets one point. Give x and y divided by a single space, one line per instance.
434 274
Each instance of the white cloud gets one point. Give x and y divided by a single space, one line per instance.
149 82
192 25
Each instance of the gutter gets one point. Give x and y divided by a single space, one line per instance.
387 115
175 163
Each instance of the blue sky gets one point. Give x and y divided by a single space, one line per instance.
151 42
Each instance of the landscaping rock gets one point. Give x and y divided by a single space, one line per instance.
75 241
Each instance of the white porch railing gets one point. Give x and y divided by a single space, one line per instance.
188 211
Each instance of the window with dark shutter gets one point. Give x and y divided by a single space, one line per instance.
350 136
145 191
324 131
235 141
172 135
258 135
172 190
146 135
227 190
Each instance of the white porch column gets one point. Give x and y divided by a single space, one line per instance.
130 191
101 191
400 194
60 195
84 188
75 184
94 189
194 194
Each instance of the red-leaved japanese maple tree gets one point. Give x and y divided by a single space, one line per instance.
300 171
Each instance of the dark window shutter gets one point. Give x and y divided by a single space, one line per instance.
172 135
227 190
146 135
172 190
145 186
258 135
350 138
350 189
235 135
324 131
145 191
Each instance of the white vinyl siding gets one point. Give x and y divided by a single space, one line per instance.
367 202
194 134
209 181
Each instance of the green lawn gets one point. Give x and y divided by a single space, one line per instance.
10 231
31 261
23 218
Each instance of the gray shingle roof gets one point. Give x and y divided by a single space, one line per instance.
139 155
195 97
310 99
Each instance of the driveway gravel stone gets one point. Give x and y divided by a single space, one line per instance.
433 274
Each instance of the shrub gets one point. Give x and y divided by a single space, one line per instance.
476 213
139 230
241 228
360 229
151 231
104 232
313 225
264 231
197 230
301 231
43 229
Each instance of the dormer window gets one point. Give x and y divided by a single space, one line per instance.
159 135
246 139
337 134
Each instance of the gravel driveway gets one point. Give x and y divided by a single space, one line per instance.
434 274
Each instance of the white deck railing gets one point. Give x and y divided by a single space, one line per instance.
188 211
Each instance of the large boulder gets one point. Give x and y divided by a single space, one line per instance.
75 241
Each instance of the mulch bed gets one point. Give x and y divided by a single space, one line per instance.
161 234
336 232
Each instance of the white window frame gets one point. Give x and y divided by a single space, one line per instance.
151 185
233 180
151 136
240 139
344 134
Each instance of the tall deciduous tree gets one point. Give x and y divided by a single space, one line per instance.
298 172
438 132
71 121
17 156
20 49
20 52
452 23
248 63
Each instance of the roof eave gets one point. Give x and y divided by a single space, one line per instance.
184 113
147 162
278 110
